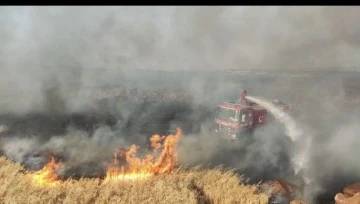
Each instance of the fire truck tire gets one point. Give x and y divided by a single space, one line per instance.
247 136
250 135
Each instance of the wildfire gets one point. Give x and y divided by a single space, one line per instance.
48 174
149 166
158 162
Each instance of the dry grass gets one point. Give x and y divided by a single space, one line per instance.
196 186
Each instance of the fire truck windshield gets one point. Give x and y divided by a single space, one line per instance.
227 115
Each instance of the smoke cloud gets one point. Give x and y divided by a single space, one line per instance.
73 47
171 66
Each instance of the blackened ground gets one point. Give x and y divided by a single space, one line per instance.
136 120
46 125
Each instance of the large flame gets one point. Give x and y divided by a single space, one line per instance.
48 174
149 166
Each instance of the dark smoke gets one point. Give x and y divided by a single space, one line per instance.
81 81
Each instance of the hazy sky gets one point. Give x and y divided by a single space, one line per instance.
169 38
44 46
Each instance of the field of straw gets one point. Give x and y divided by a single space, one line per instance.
195 186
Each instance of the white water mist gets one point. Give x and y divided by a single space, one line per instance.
292 129
301 151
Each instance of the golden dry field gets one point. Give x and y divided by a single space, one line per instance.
194 186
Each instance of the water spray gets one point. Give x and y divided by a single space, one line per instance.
301 157
292 129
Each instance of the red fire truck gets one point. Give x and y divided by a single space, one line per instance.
236 120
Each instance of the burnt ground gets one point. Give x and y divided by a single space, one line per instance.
162 101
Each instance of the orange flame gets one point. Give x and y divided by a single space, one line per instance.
47 175
147 167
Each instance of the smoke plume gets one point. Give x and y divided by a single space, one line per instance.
82 80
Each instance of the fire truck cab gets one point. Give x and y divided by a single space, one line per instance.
236 120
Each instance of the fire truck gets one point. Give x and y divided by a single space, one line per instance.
237 120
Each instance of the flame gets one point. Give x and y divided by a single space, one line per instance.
149 166
47 175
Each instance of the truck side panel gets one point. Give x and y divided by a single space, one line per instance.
259 117
262 117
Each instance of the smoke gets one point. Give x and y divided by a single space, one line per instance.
97 46
303 142
77 147
52 57
332 161
18 148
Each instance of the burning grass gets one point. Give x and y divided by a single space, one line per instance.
48 174
149 166
152 179
194 186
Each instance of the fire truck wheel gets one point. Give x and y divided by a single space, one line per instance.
247 136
